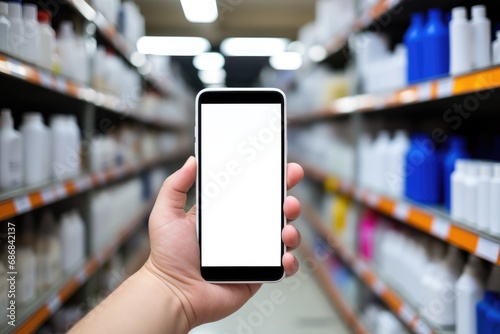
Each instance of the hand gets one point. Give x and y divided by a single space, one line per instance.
174 258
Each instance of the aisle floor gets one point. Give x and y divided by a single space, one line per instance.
295 306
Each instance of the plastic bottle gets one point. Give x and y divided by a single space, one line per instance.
457 150
471 186
387 323
396 163
469 291
11 153
47 38
16 27
75 144
4 27
494 223
488 304
37 150
483 195
460 42
496 49
26 263
31 44
378 167
440 289
493 317
457 192
67 47
413 40
436 45
72 236
48 253
367 232
481 37
436 254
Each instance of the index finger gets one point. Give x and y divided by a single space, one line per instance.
295 173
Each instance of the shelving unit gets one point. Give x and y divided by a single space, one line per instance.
333 292
45 306
398 305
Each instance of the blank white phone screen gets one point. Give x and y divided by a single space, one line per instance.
241 189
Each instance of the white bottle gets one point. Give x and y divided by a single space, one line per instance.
4 27
16 28
61 147
469 292
481 37
48 252
47 39
26 263
441 289
457 190
494 224
380 147
483 195
396 164
72 236
37 152
75 144
67 47
471 186
81 235
387 323
30 45
436 254
460 42
11 153
496 49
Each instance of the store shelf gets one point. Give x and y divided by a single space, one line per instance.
17 202
400 307
14 68
432 90
333 292
431 221
43 308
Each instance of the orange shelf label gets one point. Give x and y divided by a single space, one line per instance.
7 209
386 205
420 220
477 81
463 238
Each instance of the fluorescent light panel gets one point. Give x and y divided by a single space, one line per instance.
253 46
200 11
209 61
286 61
172 46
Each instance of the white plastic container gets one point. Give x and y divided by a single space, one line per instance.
4 27
26 263
483 195
16 28
396 164
387 323
72 236
460 42
48 253
494 224
496 49
74 141
67 47
30 45
65 157
378 164
471 186
37 151
481 37
47 38
457 190
11 153
469 292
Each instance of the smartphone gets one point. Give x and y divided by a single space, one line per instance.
241 154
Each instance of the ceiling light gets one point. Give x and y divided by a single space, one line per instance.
253 46
286 61
213 77
317 53
209 61
172 46
200 11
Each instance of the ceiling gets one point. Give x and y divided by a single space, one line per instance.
237 18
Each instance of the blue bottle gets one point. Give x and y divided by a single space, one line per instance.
436 45
413 40
457 149
423 171
482 309
493 317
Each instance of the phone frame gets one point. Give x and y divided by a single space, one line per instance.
240 96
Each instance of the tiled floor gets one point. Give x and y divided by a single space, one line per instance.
295 306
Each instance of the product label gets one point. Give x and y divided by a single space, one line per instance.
440 228
425 91
487 249
22 204
445 87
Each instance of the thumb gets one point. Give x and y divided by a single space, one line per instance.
171 200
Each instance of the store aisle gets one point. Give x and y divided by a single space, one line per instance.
296 305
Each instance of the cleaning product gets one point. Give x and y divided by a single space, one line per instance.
436 45
489 303
367 231
378 164
413 40
494 223
67 47
31 44
493 317
496 49
47 39
4 27
26 263
16 27
471 185
436 253
460 42
469 291
72 236
457 150
60 147
484 195
457 197
74 158
11 153
48 253
37 150
481 37
396 163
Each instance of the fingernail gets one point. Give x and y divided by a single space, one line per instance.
188 161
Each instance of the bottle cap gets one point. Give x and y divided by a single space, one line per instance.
478 11
44 16
66 29
485 168
496 170
461 165
15 9
6 118
435 13
32 116
459 13
30 12
4 8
